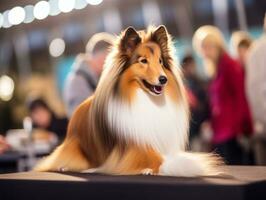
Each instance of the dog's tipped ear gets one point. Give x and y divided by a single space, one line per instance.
160 36
130 40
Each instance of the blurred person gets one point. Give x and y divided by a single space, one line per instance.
86 70
256 83
6 122
4 146
6 118
197 90
228 105
8 161
256 92
44 118
240 44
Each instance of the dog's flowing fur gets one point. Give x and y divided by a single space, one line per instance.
123 128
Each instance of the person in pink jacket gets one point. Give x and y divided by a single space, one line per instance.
230 116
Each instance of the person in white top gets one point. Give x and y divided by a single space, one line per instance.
256 81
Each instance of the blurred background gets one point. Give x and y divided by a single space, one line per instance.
39 41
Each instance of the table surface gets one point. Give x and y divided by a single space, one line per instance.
241 182
234 175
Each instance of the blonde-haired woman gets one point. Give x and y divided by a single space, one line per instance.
227 99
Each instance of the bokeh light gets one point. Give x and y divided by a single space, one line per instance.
57 47
6 23
6 88
29 13
16 15
41 10
66 6
80 4
94 2
54 8
1 20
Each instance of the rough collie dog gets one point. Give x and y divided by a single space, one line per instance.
137 120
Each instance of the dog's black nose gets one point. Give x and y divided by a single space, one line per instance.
162 79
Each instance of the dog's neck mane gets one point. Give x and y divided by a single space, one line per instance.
157 122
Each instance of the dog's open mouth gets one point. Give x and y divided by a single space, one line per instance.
155 89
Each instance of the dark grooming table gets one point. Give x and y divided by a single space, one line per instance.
242 183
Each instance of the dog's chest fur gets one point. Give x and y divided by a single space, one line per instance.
154 121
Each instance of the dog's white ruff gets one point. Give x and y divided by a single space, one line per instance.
156 121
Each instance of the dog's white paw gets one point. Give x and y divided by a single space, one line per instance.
147 171
91 170
62 169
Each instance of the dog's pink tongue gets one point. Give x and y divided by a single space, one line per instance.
158 88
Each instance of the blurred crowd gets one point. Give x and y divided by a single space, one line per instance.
227 108
44 125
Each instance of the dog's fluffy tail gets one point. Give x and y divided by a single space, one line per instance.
188 164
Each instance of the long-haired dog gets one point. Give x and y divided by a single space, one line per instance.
137 120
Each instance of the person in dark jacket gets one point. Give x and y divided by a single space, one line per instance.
44 118
197 95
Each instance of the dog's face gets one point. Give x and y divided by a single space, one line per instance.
146 68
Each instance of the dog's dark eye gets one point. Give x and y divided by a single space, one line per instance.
144 61
160 61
